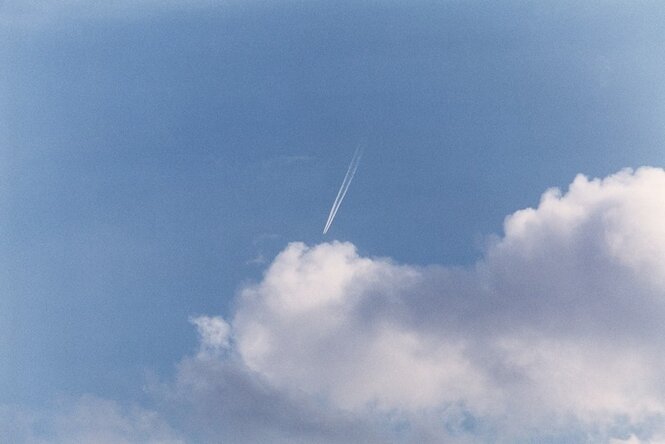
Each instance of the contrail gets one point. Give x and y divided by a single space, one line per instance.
353 166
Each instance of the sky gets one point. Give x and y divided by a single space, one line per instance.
494 274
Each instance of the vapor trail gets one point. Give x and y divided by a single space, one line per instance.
348 177
342 192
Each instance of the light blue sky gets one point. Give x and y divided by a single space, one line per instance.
155 158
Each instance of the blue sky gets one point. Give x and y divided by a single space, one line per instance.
156 157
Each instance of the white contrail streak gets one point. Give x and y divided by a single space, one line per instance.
348 177
342 190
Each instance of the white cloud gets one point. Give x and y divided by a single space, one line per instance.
213 332
556 334
221 400
559 324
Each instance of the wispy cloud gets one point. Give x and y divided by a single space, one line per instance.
214 334
87 419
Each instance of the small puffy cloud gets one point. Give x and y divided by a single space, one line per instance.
213 333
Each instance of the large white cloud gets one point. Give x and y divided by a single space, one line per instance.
558 326
555 335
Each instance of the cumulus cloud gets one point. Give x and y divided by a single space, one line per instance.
557 328
221 400
554 335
